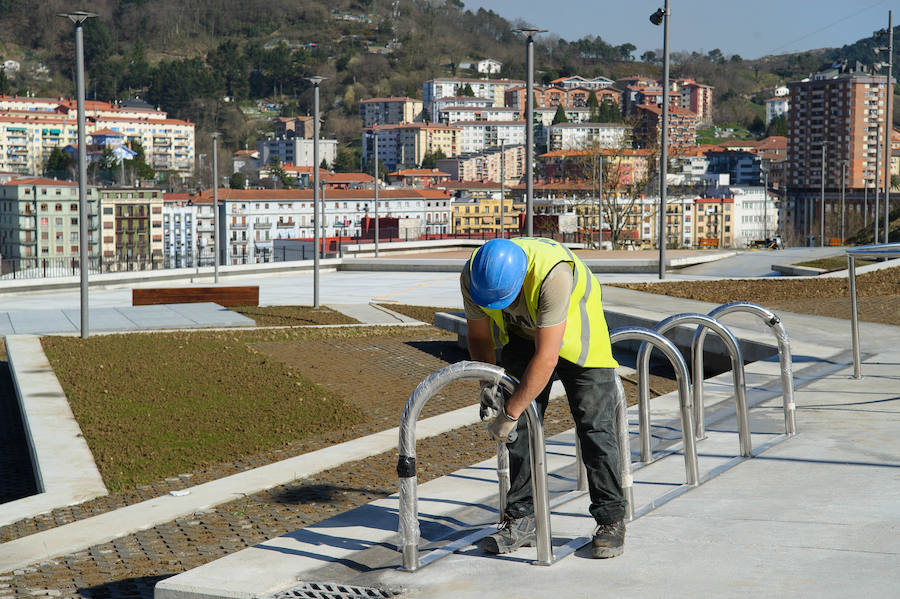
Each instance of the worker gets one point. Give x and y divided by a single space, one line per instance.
542 305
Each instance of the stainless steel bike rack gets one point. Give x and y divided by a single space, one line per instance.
884 250
406 464
737 367
784 355
406 468
683 378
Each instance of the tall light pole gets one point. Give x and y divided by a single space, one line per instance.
877 188
78 18
316 80
822 202
529 33
888 128
765 203
661 17
215 184
376 191
843 203
502 184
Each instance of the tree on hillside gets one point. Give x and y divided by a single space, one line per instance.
778 126
346 161
560 116
649 57
138 165
238 181
279 175
430 159
58 164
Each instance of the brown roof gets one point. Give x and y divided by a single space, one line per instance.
39 181
226 194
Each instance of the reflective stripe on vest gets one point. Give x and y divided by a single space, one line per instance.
586 338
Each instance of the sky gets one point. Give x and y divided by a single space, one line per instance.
750 28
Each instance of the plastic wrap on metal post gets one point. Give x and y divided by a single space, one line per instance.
624 449
408 526
683 379
784 352
737 367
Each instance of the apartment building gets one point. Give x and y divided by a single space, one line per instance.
389 111
132 224
696 97
251 219
454 114
39 218
468 101
682 127
294 126
405 145
180 242
576 81
477 136
30 128
713 218
580 136
487 165
492 89
776 107
478 215
296 151
621 168
842 113
741 166
544 97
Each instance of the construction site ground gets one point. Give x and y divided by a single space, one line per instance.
384 373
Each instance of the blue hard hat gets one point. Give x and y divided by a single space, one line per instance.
496 274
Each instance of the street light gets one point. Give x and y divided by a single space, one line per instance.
529 33
843 204
78 18
215 182
661 17
316 80
888 128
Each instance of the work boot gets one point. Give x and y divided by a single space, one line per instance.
512 534
609 540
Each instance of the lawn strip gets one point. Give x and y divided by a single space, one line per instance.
293 315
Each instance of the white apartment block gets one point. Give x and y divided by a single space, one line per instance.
30 128
252 219
492 89
776 107
469 101
755 215
296 151
454 114
580 136
544 116
131 222
579 81
39 218
389 111
487 165
405 145
180 241
475 136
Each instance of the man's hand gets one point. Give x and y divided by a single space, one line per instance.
492 401
501 428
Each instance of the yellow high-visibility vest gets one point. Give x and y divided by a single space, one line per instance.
586 338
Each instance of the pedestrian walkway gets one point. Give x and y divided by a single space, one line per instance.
121 319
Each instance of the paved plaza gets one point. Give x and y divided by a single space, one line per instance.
814 515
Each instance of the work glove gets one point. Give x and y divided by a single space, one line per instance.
492 401
503 428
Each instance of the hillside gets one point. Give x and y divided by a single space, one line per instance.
230 65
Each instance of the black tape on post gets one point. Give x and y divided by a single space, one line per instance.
406 467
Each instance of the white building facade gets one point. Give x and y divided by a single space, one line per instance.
578 136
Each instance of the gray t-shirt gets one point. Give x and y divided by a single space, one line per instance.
552 308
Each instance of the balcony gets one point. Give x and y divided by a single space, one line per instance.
239 226
262 225
287 224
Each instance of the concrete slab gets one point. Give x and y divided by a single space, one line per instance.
64 466
813 516
41 323
102 320
207 314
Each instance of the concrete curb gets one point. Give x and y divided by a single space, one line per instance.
64 466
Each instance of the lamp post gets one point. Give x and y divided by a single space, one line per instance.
316 80
822 202
843 203
529 33
661 17
375 133
215 182
889 100
78 18
502 184
877 188
765 203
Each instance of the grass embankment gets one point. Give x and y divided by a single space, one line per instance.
156 405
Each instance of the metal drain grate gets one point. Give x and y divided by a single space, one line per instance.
328 590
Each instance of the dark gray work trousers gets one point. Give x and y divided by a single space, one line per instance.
592 401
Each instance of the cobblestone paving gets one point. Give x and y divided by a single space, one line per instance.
16 478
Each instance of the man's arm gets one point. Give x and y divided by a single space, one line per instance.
547 342
478 336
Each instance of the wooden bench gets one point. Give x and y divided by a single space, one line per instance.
834 242
708 242
247 295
